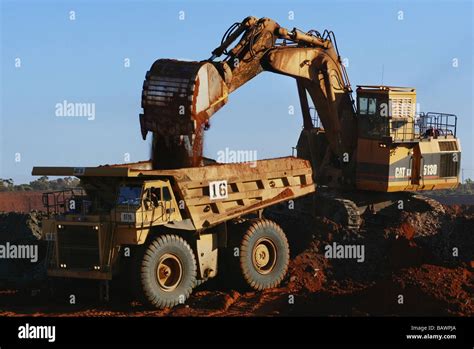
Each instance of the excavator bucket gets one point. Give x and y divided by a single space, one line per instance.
178 97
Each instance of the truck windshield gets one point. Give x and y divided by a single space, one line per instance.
129 195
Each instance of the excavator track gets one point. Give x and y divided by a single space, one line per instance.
338 209
430 203
347 213
351 213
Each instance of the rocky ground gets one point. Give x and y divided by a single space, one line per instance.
415 264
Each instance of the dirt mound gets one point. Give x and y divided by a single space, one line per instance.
21 230
307 271
442 290
20 226
446 239
428 290
460 210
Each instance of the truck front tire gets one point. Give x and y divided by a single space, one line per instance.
168 271
264 255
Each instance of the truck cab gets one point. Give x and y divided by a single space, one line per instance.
141 206
90 226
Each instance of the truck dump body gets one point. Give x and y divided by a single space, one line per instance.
247 188
215 193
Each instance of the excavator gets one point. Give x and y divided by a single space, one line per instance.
366 153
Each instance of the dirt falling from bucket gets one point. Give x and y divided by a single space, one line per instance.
167 153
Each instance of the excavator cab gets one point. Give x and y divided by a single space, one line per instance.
399 150
386 113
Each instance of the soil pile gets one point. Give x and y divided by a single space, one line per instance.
21 231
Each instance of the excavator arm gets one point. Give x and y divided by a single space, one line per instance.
180 97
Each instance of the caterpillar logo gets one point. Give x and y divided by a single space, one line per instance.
402 172
428 170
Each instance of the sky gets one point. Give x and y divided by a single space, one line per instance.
99 51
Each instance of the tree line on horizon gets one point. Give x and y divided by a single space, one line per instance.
41 184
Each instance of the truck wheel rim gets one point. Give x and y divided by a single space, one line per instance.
264 256
169 272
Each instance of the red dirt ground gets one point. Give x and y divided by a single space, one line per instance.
408 255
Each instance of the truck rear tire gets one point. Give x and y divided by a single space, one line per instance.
264 255
168 271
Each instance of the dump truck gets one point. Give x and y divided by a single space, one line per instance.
167 227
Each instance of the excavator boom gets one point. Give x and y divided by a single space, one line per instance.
383 146
180 97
